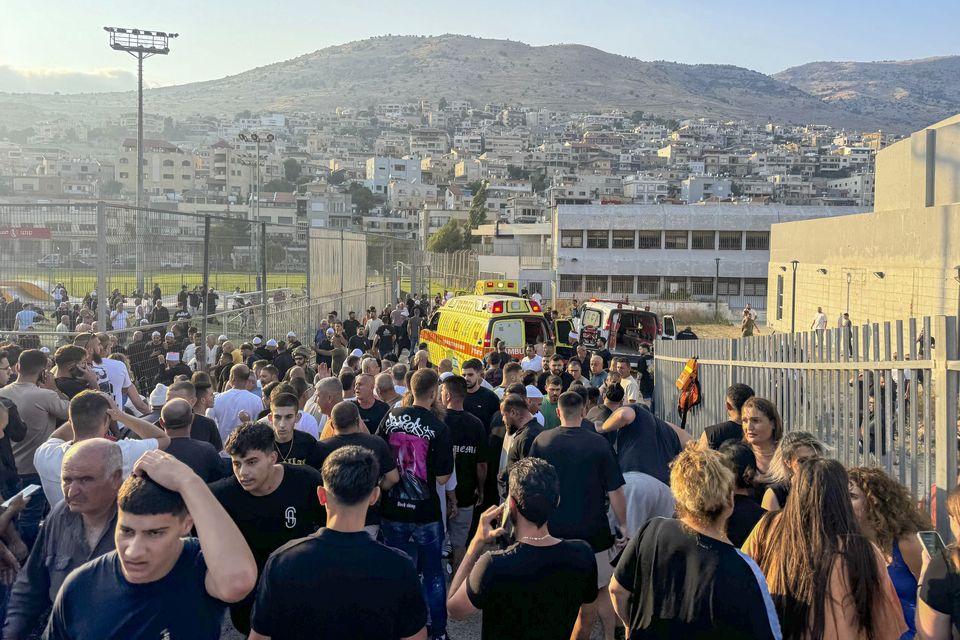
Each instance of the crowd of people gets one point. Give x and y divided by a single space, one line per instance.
350 487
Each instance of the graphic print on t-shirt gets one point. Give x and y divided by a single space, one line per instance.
103 381
408 441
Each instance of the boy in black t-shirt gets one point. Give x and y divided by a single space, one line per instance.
345 421
292 445
271 503
534 588
411 509
339 584
158 583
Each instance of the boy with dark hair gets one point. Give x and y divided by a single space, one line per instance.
292 445
158 583
368 590
271 503
537 585
716 434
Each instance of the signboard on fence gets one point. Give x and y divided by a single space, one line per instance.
24 233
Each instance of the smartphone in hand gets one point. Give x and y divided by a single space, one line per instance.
931 541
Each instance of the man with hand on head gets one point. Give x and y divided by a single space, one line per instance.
159 583
177 420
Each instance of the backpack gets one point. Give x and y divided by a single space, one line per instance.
689 386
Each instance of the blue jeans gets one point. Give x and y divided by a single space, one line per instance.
28 523
424 544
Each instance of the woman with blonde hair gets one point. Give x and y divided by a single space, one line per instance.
889 516
682 578
795 448
827 579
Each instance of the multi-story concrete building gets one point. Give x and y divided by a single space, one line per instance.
698 188
858 187
381 170
645 188
429 142
167 169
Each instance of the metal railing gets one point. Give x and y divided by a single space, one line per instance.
881 394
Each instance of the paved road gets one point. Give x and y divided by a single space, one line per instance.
465 630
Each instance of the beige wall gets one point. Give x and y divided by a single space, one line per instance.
912 238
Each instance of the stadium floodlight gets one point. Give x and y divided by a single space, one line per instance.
141 45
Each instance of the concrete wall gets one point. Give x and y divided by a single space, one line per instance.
897 262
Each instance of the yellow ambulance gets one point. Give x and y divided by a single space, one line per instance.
496 287
466 327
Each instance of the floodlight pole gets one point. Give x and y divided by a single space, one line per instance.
141 44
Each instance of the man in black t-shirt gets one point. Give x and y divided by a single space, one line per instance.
73 373
479 401
469 449
589 476
372 410
555 368
292 445
411 509
350 325
345 422
339 584
715 435
534 588
176 418
383 338
158 583
522 428
271 503
358 340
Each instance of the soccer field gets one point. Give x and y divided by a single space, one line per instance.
79 282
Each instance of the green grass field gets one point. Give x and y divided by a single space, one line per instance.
80 282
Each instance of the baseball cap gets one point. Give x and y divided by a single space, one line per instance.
533 393
169 334
257 340
291 335
155 334
271 342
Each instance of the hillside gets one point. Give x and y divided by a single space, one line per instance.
406 68
909 93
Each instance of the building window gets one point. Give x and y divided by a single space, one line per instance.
624 240
168 176
648 285
124 174
675 287
535 287
729 287
649 239
701 286
621 284
758 240
595 284
571 284
185 163
284 219
571 239
703 240
675 240
779 297
597 239
758 287
168 163
185 177
731 241
124 161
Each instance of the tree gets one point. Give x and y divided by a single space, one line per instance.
224 237
636 116
453 236
442 104
363 198
111 188
478 207
517 173
291 169
338 177
276 253
539 182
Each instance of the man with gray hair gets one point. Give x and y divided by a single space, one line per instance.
78 529
387 390
399 373
327 393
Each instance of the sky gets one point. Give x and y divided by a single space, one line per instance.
60 45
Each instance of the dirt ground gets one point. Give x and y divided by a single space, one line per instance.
707 331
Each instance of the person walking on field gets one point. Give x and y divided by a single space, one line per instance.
748 325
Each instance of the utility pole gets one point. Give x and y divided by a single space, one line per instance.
140 44
716 293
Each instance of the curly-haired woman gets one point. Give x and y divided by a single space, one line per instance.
889 517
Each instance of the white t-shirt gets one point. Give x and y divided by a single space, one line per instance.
532 364
820 321
536 297
631 390
308 424
372 325
118 319
48 459
227 407
112 378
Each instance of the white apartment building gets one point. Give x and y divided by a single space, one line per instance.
698 188
429 142
859 187
468 142
381 170
167 169
645 188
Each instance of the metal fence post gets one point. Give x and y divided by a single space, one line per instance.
206 289
309 288
103 296
263 276
945 417
343 265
